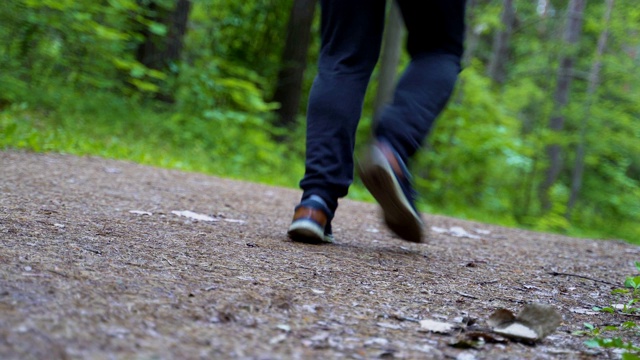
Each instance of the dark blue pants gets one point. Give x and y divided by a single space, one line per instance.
350 46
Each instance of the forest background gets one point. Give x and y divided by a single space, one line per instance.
542 132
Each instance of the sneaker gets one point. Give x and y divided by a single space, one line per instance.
311 222
388 180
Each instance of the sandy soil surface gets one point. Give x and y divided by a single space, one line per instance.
95 264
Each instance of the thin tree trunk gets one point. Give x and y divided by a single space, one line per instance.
498 62
162 52
472 37
594 80
390 58
178 20
294 62
157 52
471 40
543 12
573 30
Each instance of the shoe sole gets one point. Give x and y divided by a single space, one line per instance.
378 176
307 231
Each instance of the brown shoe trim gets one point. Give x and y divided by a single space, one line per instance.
304 212
391 159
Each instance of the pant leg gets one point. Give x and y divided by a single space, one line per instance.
435 43
351 33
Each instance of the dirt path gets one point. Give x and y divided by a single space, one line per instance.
82 276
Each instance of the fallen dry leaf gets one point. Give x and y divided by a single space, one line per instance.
235 221
436 326
456 231
389 326
543 319
193 215
517 330
501 317
533 323
278 339
482 231
583 311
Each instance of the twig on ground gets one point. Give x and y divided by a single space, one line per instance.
517 301
35 274
403 318
143 266
488 282
93 250
628 314
555 273
57 273
466 295
167 260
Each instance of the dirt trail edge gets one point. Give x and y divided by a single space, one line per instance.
94 263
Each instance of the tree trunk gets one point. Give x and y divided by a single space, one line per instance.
498 63
543 11
293 62
472 37
594 79
163 52
390 58
471 40
572 32
159 52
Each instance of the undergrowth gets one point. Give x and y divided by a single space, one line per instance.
225 143
616 336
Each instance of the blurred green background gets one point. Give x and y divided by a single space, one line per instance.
542 132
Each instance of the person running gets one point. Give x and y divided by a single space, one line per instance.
351 36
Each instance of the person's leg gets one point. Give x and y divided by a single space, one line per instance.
436 31
350 45
435 43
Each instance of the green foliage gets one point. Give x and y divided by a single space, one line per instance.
627 328
461 177
616 343
630 350
474 152
598 338
129 131
249 33
634 282
51 41
216 84
70 82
